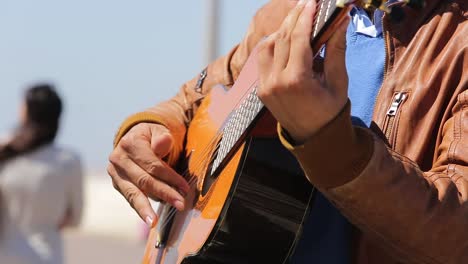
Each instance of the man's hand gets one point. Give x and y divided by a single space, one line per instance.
138 171
303 101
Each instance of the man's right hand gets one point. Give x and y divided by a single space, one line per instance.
138 170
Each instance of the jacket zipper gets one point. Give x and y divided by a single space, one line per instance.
392 117
385 32
201 80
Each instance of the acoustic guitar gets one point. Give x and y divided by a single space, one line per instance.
249 196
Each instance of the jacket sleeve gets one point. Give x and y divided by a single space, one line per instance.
421 216
177 112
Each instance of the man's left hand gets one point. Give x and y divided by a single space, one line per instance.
303 101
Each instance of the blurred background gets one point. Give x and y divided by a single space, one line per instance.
108 59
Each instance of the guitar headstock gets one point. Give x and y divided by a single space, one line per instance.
384 5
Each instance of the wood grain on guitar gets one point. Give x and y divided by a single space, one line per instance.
249 197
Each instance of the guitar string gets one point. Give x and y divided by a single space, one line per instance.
204 157
192 179
219 134
201 166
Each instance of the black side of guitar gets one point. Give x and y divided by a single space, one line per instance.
268 204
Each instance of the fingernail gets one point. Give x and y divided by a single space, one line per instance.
149 221
301 2
179 205
309 3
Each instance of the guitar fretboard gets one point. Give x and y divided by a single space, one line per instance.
235 127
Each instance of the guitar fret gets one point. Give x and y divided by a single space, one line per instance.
325 10
316 30
323 14
328 10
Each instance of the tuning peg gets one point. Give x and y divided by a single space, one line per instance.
384 5
343 3
373 4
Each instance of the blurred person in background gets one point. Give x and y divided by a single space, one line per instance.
41 183
14 246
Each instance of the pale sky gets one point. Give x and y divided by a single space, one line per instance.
108 58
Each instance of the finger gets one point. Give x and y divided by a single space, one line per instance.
281 54
301 51
133 195
131 172
283 41
291 19
161 144
265 57
140 152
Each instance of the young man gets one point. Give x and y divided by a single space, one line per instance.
395 163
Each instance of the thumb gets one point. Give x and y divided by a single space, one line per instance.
336 45
161 141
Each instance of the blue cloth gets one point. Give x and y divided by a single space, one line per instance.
365 60
327 234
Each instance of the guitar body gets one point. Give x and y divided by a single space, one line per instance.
252 209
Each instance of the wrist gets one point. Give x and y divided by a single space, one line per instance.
298 135
335 154
135 119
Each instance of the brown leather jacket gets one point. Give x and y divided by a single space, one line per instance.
404 183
